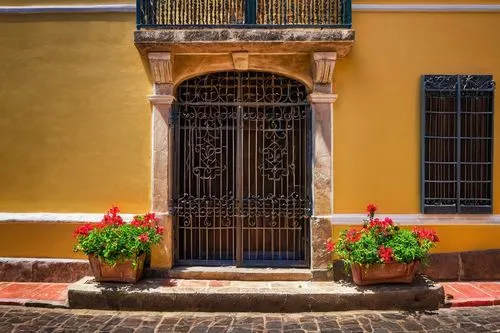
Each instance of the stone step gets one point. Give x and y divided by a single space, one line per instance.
238 274
252 296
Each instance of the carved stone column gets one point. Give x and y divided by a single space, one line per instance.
321 100
161 177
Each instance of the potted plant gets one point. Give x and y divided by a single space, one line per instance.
116 250
382 252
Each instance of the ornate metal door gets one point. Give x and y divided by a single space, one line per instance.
242 170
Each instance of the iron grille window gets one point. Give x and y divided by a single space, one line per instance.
457 147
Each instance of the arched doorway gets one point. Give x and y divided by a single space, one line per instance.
242 170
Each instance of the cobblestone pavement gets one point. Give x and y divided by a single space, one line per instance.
466 320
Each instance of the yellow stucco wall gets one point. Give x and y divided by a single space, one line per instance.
75 127
377 113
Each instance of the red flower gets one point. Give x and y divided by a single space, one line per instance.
330 246
111 218
385 253
371 209
150 217
382 224
353 236
425 234
144 238
113 211
159 229
83 230
138 221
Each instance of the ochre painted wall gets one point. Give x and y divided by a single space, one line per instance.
377 113
75 127
53 240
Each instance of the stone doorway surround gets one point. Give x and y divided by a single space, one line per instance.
171 62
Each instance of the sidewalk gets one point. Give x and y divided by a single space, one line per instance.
34 294
472 293
458 294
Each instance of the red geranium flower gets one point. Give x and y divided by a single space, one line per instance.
353 236
385 253
159 229
371 209
330 246
83 230
144 238
422 234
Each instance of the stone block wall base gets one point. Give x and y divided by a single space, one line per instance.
454 266
43 270
286 296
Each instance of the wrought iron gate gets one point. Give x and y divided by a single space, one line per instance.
242 170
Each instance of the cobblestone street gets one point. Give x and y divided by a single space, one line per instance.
466 320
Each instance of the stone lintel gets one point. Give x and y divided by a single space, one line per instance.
322 98
324 64
160 64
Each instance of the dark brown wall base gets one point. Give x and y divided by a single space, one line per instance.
43 270
455 266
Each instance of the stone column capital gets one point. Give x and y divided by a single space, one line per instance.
324 64
161 100
160 64
321 98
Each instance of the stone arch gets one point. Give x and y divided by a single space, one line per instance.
296 66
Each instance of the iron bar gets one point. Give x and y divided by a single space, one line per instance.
457 132
242 158
174 14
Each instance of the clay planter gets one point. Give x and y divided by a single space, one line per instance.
121 272
384 273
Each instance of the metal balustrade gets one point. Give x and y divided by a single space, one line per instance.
175 14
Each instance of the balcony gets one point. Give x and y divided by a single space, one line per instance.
205 36
250 25
253 14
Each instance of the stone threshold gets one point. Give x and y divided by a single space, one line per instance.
234 273
252 296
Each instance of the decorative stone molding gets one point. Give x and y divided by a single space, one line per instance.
322 98
240 60
160 64
324 64
161 99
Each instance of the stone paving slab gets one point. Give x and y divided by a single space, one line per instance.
472 293
34 294
459 320
250 296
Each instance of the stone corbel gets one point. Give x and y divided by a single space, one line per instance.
324 64
160 64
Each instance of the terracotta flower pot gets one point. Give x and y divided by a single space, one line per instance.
384 273
121 272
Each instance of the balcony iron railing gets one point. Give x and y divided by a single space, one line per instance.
170 14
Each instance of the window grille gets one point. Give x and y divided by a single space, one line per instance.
457 143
